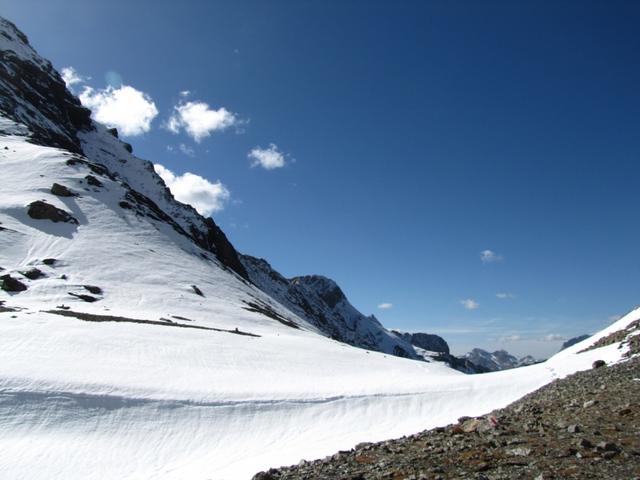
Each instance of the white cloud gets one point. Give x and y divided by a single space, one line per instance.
615 318
489 256
199 120
185 93
385 306
511 338
505 295
71 77
268 158
553 337
187 150
469 304
129 110
206 197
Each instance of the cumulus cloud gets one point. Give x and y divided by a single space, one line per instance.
129 110
469 304
71 77
505 295
205 196
199 120
489 256
267 158
385 306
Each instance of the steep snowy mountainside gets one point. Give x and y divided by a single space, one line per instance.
322 303
33 94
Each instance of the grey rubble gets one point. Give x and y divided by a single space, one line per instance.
584 426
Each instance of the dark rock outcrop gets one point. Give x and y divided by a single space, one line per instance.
61 191
40 210
93 289
426 341
10 284
33 273
34 94
93 181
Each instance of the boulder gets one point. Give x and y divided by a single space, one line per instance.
93 289
33 274
61 190
40 210
93 181
10 284
197 291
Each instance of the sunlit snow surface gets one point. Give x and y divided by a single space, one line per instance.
132 401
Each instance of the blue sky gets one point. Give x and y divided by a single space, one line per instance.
413 136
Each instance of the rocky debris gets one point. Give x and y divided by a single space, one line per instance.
49 261
197 291
40 210
623 336
113 131
10 284
93 181
93 289
125 205
598 364
61 191
127 147
33 273
529 439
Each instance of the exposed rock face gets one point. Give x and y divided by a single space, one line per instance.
10 284
34 94
225 251
40 210
426 341
61 190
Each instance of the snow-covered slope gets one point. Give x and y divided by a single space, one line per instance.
141 349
